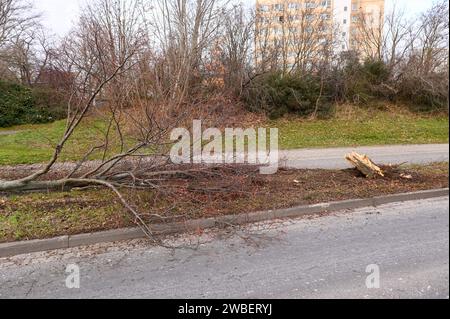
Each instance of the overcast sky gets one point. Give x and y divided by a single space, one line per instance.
59 15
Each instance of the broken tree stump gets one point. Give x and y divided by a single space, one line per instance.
365 165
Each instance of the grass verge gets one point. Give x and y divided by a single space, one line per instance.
366 128
45 215
34 143
29 144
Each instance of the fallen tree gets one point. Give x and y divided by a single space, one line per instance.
102 54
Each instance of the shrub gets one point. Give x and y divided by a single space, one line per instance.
277 94
23 105
50 102
361 82
424 94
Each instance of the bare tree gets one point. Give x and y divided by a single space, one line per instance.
388 37
185 30
432 43
267 47
26 55
20 35
399 37
15 17
310 35
101 53
236 48
424 72
370 37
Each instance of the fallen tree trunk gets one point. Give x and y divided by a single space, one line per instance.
43 186
365 165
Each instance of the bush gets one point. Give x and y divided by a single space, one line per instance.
50 102
361 82
277 94
348 81
428 94
23 105
304 94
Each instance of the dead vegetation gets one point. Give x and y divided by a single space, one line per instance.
186 193
365 165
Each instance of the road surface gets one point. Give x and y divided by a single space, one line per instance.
324 257
333 158
328 158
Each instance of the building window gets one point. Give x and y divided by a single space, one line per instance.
323 41
277 31
264 8
345 21
310 5
344 34
309 17
278 7
325 16
326 4
294 6
354 7
345 9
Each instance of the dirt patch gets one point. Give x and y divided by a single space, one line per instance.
210 192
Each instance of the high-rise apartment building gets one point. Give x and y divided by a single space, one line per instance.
303 27
354 16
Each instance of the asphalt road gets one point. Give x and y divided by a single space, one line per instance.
328 158
334 158
325 257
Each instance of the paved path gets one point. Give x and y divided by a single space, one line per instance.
334 158
319 258
330 158
8 132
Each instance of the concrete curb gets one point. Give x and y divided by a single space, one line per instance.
25 247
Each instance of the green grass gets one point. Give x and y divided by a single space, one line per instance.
45 215
381 128
34 143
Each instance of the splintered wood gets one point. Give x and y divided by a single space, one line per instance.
365 165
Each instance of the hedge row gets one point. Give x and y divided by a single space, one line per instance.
22 105
278 93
